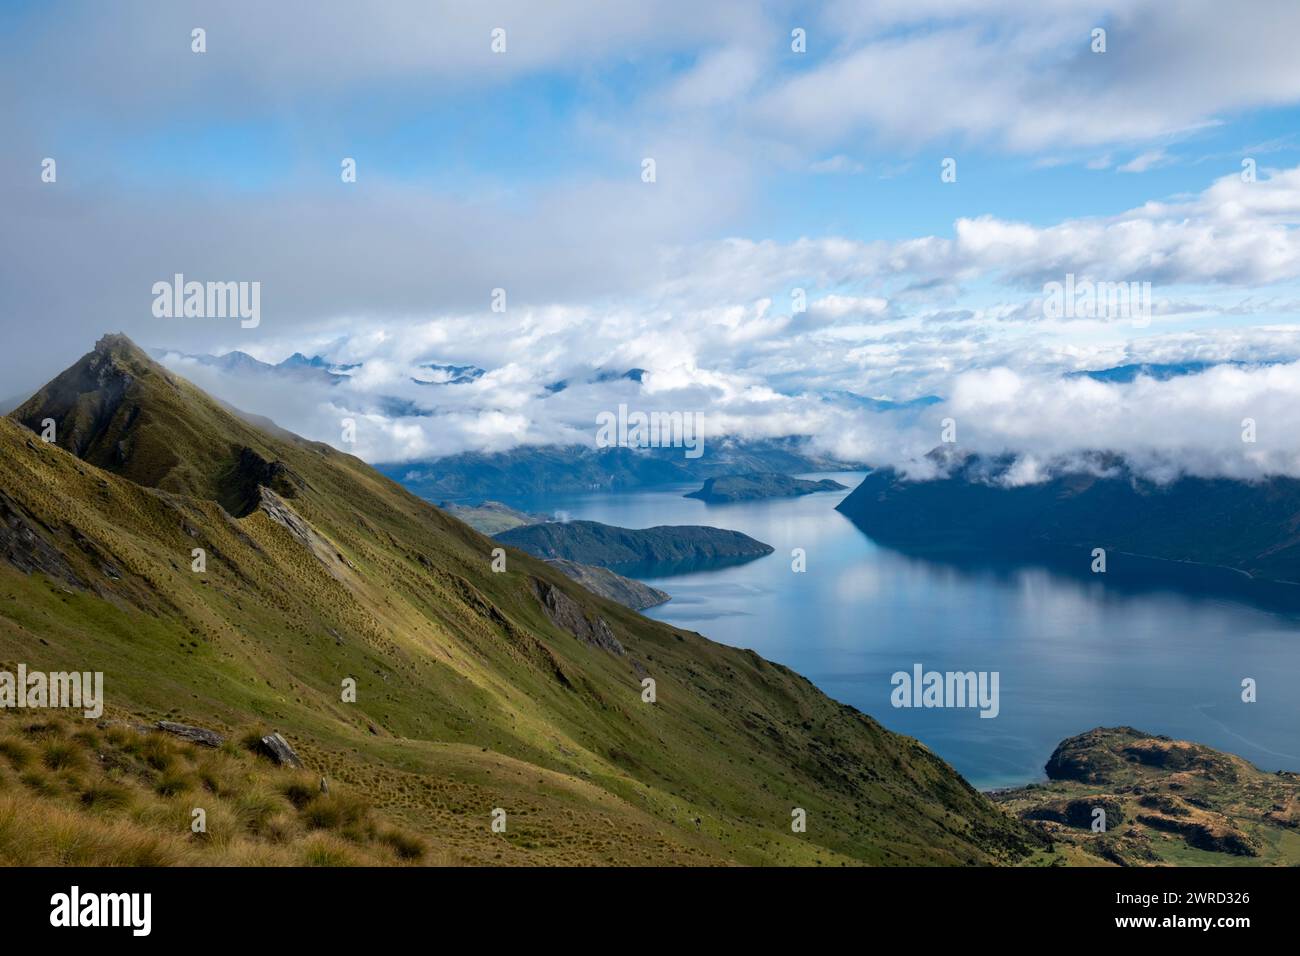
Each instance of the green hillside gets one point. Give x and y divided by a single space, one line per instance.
475 690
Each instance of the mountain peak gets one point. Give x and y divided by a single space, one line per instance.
120 410
117 344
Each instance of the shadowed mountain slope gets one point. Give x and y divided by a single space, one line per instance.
1252 527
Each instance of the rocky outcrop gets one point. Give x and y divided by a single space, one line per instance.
1217 838
24 546
1083 758
1078 813
282 513
567 614
278 750
609 584
241 487
1161 796
195 735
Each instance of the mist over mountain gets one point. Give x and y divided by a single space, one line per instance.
1097 501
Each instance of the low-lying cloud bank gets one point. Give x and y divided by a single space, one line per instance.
1227 421
1234 421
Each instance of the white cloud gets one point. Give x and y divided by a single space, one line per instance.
1140 163
1021 74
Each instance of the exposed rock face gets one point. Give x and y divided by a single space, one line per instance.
278 749
23 545
282 513
1217 838
196 735
566 613
279 511
1078 813
241 487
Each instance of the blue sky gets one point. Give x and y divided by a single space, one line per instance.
776 171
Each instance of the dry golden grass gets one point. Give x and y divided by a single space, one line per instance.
116 796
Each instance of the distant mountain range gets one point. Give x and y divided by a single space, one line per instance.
449 374
536 469
1124 374
1253 527
598 376
880 404
241 363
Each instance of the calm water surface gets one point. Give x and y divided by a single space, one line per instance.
1165 652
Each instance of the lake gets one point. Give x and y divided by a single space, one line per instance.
1160 648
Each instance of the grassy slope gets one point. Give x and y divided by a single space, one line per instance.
468 697
108 794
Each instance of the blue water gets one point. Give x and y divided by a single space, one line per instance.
1164 652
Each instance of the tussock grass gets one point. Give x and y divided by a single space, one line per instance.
19 753
121 797
63 755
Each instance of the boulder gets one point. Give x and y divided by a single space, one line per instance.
195 735
278 749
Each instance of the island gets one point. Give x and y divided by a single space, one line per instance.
754 486
649 551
